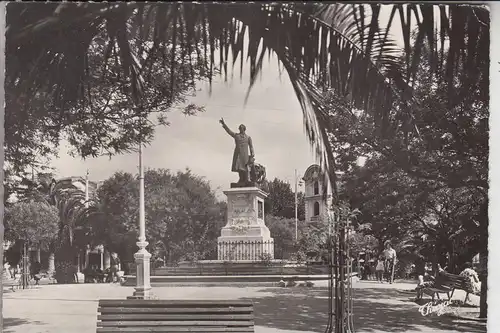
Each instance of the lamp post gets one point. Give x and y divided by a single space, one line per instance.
296 205
142 256
87 189
296 208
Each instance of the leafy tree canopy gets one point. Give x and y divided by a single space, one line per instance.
32 222
183 216
281 200
62 85
425 190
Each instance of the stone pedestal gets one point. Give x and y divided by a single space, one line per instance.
245 236
143 286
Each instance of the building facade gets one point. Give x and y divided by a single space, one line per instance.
317 202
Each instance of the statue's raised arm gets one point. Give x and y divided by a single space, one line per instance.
224 126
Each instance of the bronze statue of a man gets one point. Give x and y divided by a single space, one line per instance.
243 156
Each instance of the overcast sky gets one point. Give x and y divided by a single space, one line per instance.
272 115
273 118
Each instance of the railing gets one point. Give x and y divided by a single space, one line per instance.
245 250
275 267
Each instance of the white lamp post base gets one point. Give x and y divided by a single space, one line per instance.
143 286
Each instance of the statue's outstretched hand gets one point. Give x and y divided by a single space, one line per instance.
222 121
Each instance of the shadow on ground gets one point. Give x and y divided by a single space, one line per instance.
375 310
12 322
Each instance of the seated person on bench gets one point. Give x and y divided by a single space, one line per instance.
99 274
35 272
473 283
427 280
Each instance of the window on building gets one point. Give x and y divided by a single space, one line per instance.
316 187
316 209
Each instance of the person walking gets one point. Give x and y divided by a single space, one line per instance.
390 261
379 269
115 267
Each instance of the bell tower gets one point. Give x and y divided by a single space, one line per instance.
316 203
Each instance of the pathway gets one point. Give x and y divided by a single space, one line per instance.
378 308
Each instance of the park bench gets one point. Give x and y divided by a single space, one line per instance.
445 283
15 282
12 283
204 316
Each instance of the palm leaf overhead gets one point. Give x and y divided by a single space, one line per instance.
340 49
68 195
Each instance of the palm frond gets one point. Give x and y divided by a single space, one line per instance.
340 48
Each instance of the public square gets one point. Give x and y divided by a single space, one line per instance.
135 157
377 308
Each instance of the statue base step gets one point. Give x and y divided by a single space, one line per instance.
243 184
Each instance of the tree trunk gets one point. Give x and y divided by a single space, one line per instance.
2 114
26 272
65 264
483 304
52 265
107 259
483 261
1 257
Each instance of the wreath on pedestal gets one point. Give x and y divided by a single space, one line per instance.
240 225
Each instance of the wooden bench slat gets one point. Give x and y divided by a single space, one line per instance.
177 329
175 316
174 303
431 292
239 309
446 283
192 323
439 289
166 317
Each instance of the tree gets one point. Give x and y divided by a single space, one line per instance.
183 217
190 215
35 223
106 120
31 223
423 189
362 50
67 196
281 200
283 232
116 226
368 78
360 242
141 35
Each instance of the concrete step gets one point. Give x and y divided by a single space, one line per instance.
238 270
229 279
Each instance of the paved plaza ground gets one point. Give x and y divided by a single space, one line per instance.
377 308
